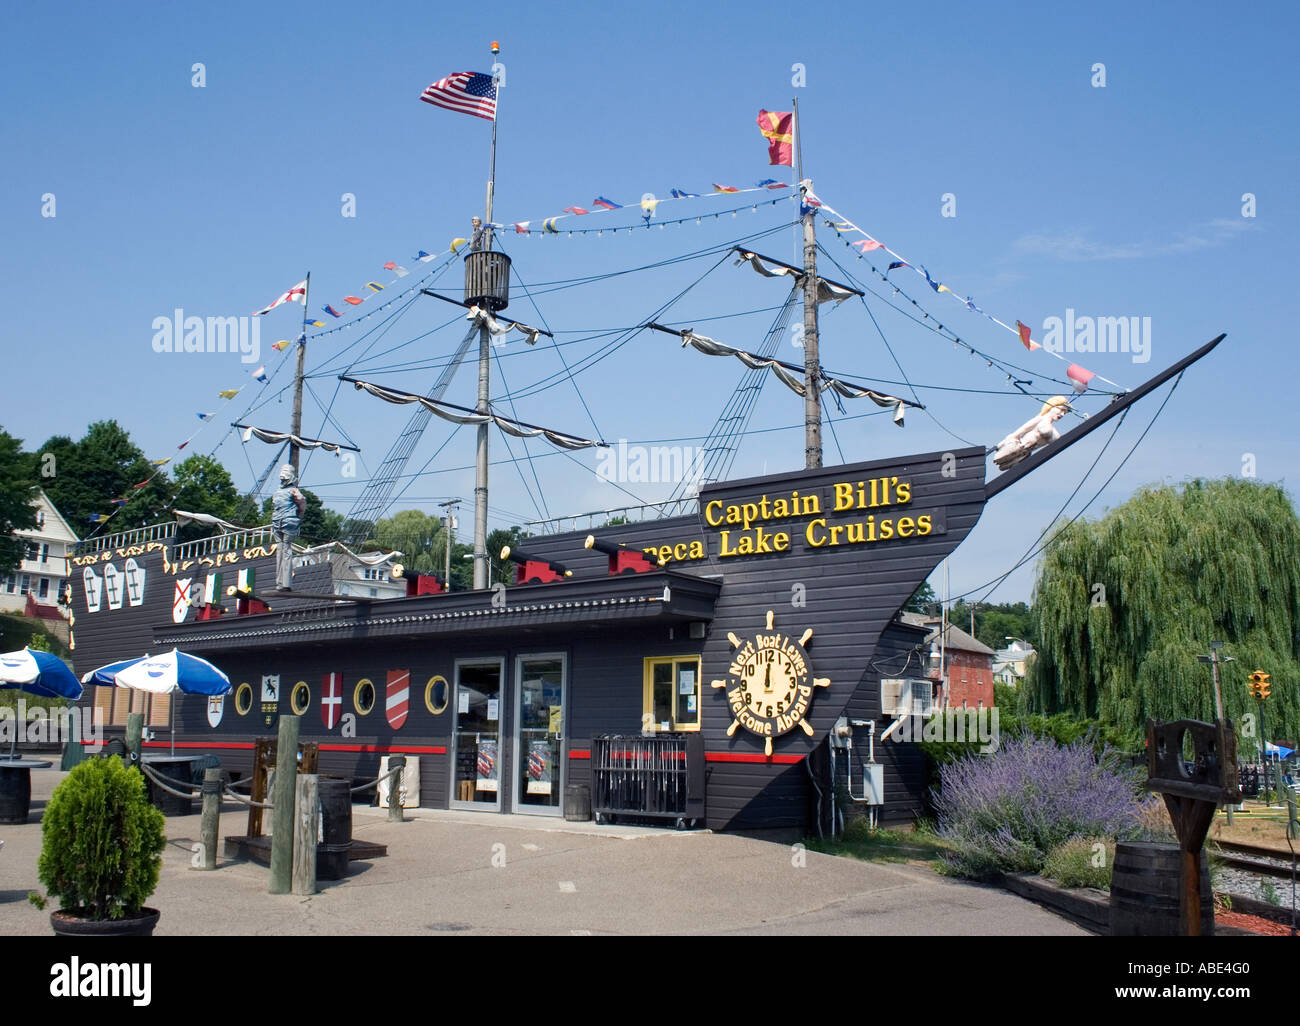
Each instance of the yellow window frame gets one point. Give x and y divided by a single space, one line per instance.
648 720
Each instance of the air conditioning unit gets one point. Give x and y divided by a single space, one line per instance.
895 696
922 697
410 783
906 696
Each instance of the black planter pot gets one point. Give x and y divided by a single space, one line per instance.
69 924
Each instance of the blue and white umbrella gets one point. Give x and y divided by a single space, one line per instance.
107 675
39 673
168 672
164 674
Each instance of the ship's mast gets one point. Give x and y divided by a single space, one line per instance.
812 403
296 428
478 271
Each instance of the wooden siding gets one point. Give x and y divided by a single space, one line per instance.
848 595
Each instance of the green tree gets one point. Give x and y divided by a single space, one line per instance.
249 513
1127 603
921 599
104 465
17 492
202 485
417 535
995 623
503 570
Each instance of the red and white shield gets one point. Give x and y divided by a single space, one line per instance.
181 600
216 708
331 699
399 697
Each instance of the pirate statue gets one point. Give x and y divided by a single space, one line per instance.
287 508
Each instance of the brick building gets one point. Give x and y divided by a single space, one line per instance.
965 678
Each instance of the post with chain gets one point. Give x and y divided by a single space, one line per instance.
396 792
306 830
210 818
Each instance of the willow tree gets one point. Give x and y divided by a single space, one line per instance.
1126 603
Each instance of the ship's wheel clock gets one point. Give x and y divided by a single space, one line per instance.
771 685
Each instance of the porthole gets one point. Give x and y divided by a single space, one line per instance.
437 693
243 698
300 697
363 699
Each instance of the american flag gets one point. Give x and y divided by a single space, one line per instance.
469 92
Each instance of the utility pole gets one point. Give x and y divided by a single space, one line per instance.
812 402
1213 660
449 526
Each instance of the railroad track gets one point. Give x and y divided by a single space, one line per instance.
1253 859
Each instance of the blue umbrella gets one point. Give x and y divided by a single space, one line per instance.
163 674
173 671
38 673
108 674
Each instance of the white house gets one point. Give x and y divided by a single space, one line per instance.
1010 664
45 563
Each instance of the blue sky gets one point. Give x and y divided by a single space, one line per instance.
1124 200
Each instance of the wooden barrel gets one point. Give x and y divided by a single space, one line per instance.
15 794
1146 888
176 775
577 803
333 851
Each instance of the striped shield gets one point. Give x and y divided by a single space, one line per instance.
399 697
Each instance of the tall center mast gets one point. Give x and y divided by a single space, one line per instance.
812 403
487 284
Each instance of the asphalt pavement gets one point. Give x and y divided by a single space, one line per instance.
451 872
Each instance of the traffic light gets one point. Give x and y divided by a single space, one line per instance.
1259 685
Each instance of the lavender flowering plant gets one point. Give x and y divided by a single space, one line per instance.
1004 812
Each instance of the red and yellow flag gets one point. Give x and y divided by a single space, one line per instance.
778 129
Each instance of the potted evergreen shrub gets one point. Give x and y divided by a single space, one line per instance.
101 851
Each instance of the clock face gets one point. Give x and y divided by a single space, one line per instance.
770 685
770 677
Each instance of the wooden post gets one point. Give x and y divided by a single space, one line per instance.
210 817
1191 893
286 769
395 762
306 829
134 728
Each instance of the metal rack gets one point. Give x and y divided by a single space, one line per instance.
659 776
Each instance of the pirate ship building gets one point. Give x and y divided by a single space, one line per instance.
735 664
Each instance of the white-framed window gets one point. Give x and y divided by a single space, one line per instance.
43 591
25 584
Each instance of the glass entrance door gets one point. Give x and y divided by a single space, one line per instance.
476 756
539 735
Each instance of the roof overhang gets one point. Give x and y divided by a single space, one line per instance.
664 596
